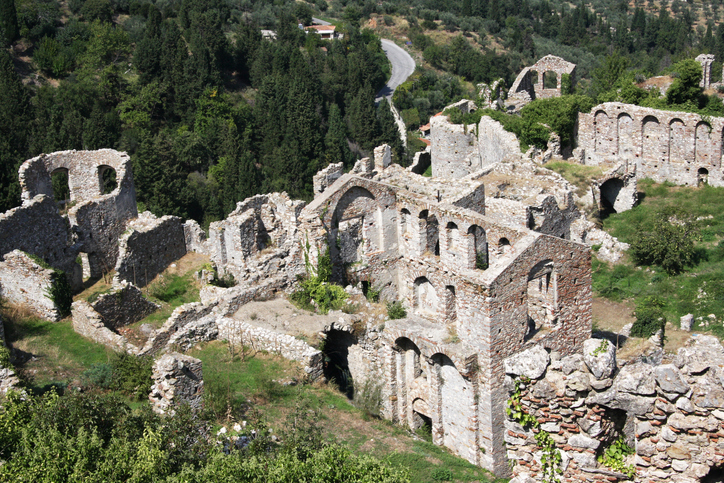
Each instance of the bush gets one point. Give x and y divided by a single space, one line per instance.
669 244
99 375
395 310
649 317
132 375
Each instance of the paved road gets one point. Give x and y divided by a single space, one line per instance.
402 67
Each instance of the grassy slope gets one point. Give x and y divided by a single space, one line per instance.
699 290
249 385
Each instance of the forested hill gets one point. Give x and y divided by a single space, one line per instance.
210 112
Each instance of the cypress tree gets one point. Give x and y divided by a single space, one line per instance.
8 23
15 117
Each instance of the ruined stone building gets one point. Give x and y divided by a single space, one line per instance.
539 81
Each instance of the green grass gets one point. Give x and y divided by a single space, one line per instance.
170 292
578 175
59 355
700 289
426 458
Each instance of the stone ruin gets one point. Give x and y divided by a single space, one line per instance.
669 411
533 82
178 379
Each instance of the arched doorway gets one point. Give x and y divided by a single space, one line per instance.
609 192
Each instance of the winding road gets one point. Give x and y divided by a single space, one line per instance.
403 65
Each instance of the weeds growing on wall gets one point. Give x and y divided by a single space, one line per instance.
395 310
59 291
614 455
316 291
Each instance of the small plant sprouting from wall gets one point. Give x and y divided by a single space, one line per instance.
614 455
481 262
550 461
395 310
59 291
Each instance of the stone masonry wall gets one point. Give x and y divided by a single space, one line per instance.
38 229
24 282
327 176
680 147
124 305
89 323
670 413
494 142
178 379
148 247
453 150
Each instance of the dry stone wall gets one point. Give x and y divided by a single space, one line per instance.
178 379
123 306
24 282
670 413
89 323
148 246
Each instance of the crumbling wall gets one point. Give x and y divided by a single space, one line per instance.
494 142
680 147
453 149
89 323
669 413
123 306
25 282
257 237
37 228
97 219
148 246
238 332
180 318
617 189
529 84
178 379
327 176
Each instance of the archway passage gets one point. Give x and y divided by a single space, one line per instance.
61 188
609 194
542 298
336 365
702 176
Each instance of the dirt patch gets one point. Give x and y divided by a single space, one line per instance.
281 316
611 316
190 261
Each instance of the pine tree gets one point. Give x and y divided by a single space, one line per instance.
15 117
8 23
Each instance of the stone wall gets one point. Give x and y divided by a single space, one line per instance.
241 333
495 143
680 147
529 84
180 318
257 237
148 246
668 412
453 149
178 379
327 176
37 228
24 282
89 323
123 306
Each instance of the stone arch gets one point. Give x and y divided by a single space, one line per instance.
61 186
601 124
336 366
426 298
452 233
413 383
479 243
678 152
609 192
430 232
625 136
550 80
542 296
405 221
504 246
704 145
356 225
107 180
702 176
450 303
456 421
654 145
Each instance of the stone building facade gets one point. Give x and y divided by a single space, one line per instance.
477 291
680 147
532 82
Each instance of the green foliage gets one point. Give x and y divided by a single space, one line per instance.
613 457
649 317
9 30
60 293
685 88
371 294
601 349
170 287
5 357
481 261
326 296
131 375
670 243
442 474
395 310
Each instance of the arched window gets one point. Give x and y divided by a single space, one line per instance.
61 188
452 234
107 179
480 246
426 300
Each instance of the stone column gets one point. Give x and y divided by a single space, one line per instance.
705 60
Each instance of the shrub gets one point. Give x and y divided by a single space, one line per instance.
395 310
132 375
5 357
99 375
326 296
669 244
649 317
